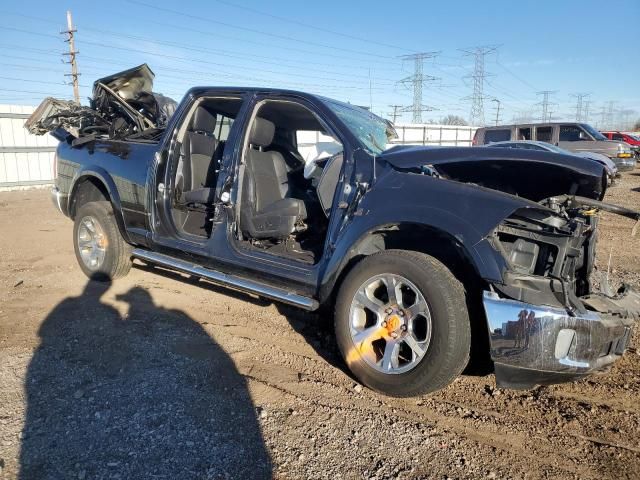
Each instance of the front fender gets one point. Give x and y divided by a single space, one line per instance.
465 213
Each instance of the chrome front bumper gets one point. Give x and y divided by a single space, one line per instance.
532 344
59 199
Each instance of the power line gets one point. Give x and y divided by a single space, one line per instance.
252 30
396 112
517 77
70 33
309 25
417 81
242 56
478 76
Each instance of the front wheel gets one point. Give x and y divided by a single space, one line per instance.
100 249
402 323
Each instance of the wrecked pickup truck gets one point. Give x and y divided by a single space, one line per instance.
422 253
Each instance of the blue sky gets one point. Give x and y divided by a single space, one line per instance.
347 50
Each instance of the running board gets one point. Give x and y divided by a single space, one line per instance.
225 280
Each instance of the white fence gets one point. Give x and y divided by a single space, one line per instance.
24 159
427 134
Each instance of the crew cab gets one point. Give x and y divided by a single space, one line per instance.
420 253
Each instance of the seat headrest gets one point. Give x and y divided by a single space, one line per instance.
203 121
261 132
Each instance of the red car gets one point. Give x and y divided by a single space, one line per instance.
630 138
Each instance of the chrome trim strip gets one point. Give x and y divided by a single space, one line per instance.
226 280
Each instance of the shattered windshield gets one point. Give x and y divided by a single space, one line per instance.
374 132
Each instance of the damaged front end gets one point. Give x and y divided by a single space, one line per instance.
123 106
546 324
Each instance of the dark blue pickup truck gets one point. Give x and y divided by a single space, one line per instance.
423 255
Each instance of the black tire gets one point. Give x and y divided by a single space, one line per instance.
117 257
448 352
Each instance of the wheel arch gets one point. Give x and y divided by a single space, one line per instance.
441 245
96 185
445 247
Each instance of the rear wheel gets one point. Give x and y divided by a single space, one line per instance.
100 250
402 323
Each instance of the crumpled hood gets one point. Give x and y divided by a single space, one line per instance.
530 174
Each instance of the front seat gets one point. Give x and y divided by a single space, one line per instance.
199 169
267 210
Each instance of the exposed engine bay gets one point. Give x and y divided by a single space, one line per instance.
123 106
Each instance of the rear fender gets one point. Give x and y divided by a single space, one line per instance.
99 174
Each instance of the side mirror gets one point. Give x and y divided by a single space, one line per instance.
583 136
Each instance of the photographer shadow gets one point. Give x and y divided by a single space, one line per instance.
145 395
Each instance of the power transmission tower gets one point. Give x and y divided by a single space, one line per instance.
546 104
478 76
580 105
497 109
603 120
585 111
611 108
395 114
417 81
70 31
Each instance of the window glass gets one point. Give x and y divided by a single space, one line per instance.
570 133
223 127
524 133
497 136
593 132
544 134
617 136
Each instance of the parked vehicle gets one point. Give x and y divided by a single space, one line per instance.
630 138
575 137
609 165
403 244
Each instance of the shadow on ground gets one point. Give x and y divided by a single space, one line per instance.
147 395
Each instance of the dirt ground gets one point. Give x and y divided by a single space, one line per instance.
161 376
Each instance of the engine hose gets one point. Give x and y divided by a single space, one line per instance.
576 202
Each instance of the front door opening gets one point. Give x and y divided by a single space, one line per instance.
291 167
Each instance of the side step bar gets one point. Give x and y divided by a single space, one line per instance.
225 280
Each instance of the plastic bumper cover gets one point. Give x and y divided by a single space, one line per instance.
533 344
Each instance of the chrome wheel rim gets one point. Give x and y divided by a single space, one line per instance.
390 324
92 243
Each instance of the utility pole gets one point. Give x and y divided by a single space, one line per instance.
395 114
70 31
478 76
498 103
580 105
417 81
546 104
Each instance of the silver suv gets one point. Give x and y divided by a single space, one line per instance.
575 137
